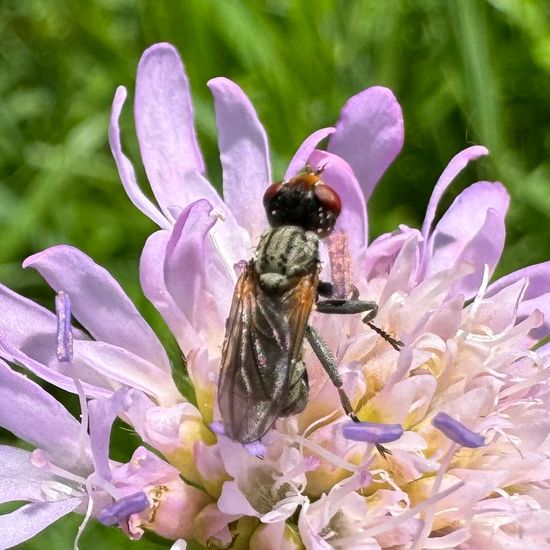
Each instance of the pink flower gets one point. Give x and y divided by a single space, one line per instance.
462 409
472 360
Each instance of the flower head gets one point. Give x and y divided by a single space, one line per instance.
462 408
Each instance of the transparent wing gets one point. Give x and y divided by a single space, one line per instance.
264 336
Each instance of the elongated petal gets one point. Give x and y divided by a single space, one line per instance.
164 123
98 301
19 479
537 293
231 241
469 231
485 249
369 135
382 252
151 272
457 164
301 157
60 374
191 261
103 413
125 168
184 264
32 414
131 370
244 155
30 519
353 219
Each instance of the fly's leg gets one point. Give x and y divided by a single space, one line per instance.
328 362
298 391
351 306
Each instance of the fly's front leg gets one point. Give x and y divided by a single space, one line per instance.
342 306
326 358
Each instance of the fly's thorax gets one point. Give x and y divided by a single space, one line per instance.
284 254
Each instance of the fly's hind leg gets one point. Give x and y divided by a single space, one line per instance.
298 391
328 362
351 306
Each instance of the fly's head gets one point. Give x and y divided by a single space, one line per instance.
305 201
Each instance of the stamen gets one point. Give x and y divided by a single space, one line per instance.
217 427
340 265
217 214
87 515
393 522
64 353
256 448
320 451
372 432
308 464
39 459
457 432
123 508
64 350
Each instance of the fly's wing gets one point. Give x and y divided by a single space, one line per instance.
264 336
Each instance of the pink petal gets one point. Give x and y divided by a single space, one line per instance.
301 157
151 272
30 519
61 375
103 412
382 252
164 124
244 155
32 414
465 231
485 249
19 479
233 502
353 219
537 294
125 168
98 302
369 135
457 164
195 273
119 364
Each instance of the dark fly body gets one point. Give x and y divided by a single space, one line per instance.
263 376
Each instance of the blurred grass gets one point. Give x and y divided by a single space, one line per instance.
464 71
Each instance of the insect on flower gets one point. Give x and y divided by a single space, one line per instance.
263 376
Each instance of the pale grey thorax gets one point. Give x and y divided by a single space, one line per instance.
284 254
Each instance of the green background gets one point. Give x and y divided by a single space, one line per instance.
464 71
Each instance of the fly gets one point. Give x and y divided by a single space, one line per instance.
263 376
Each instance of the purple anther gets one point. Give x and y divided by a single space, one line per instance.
456 431
123 508
372 432
217 427
64 349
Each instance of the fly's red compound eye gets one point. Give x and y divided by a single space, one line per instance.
271 192
329 199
